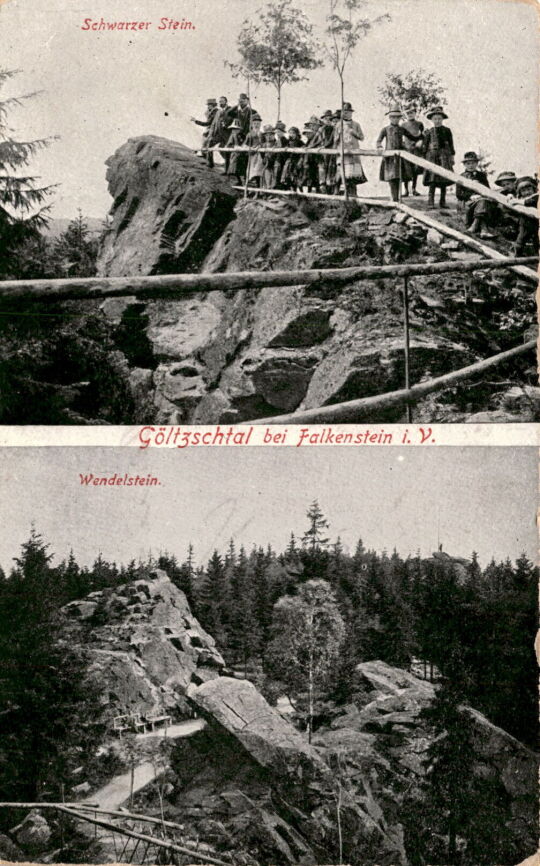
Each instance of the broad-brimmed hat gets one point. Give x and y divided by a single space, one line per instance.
395 110
347 107
505 175
255 115
281 125
326 113
307 125
471 156
337 114
438 109
314 120
268 128
526 180
243 96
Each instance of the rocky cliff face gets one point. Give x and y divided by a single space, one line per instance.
242 355
248 783
145 644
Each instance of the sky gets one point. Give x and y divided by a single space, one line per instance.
481 499
99 89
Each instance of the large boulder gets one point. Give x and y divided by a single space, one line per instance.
168 209
382 734
33 833
145 645
274 793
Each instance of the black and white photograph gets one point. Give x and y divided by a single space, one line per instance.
221 657
219 212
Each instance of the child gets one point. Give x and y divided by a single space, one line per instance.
394 168
281 158
292 169
439 149
416 127
269 159
479 211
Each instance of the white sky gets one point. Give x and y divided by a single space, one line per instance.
103 88
483 498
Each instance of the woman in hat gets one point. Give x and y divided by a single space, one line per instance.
416 127
439 149
269 159
479 211
236 163
254 141
292 170
352 136
394 169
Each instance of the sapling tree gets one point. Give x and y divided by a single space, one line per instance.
345 27
417 88
276 47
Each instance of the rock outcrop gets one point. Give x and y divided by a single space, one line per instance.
168 209
242 355
145 645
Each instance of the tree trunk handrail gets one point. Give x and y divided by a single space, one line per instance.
180 285
355 410
473 185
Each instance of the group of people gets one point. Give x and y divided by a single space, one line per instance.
307 169
483 214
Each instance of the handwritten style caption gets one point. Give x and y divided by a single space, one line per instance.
186 437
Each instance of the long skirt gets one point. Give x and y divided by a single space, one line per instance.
353 168
327 170
291 176
255 166
390 169
443 158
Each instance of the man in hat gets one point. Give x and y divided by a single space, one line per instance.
211 108
394 169
349 133
527 238
326 163
269 159
416 128
439 149
479 211
218 132
242 113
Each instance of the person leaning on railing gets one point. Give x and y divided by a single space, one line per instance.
480 212
394 168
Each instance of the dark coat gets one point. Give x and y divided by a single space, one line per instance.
462 192
439 149
243 116
395 137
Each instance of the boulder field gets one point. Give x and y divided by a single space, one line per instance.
248 784
240 355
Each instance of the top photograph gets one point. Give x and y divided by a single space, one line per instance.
270 212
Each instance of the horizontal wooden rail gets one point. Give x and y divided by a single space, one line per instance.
179 285
473 185
356 410
374 202
466 240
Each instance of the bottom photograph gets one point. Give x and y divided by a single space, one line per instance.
268 656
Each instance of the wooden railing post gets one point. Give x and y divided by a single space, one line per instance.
407 343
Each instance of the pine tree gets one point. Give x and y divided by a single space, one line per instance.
212 600
76 249
23 211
